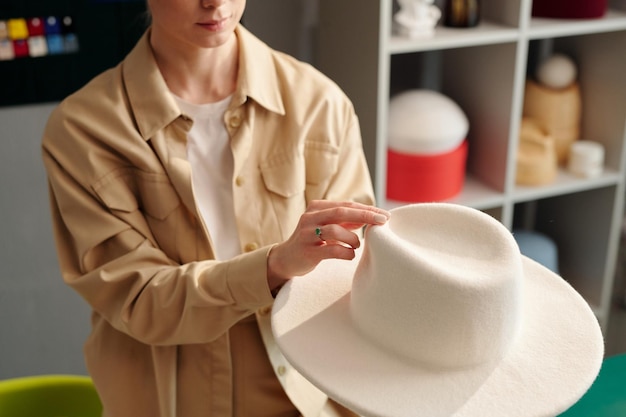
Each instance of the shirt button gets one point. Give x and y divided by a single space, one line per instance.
265 311
251 247
281 370
235 121
239 181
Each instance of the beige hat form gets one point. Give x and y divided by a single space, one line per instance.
440 315
536 162
558 111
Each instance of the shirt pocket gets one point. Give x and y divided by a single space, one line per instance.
322 162
148 203
284 174
284 195
129 190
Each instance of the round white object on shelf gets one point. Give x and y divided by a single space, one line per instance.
558 71
425 122
586 158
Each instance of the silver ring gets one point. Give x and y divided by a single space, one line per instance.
318 233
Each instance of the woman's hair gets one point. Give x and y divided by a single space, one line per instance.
146 16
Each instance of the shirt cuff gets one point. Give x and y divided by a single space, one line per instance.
247 279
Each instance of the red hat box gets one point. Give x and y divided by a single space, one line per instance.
569 9
427 147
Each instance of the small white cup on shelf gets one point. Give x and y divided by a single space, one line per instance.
586 158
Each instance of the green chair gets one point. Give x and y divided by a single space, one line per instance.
607 395
49 396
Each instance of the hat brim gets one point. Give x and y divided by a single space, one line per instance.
553 362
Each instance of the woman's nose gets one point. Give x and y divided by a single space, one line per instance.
212 3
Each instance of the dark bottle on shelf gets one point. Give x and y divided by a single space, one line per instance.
461 13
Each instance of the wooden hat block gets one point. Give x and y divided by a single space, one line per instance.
557 111
536 155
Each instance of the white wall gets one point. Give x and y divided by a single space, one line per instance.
42 322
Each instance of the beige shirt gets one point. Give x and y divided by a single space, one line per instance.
129 236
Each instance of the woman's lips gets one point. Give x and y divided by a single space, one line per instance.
214 25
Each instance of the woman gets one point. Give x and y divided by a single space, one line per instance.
188 184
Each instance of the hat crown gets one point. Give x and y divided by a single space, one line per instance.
439 284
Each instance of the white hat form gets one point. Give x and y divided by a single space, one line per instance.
425 122
440 315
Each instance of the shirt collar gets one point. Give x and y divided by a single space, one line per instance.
154 107
152 104
258 77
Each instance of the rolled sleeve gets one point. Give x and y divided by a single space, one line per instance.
247 279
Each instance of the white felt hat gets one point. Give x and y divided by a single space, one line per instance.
440 315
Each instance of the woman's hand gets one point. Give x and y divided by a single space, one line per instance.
324 231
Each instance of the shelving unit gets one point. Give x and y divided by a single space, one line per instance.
484 70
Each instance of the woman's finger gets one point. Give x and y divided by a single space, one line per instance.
347 216
319 205
333 234
336 252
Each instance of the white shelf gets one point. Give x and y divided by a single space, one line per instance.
487 33
474 194
565 183
541 28
484 70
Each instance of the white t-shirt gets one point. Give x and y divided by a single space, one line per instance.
208 151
